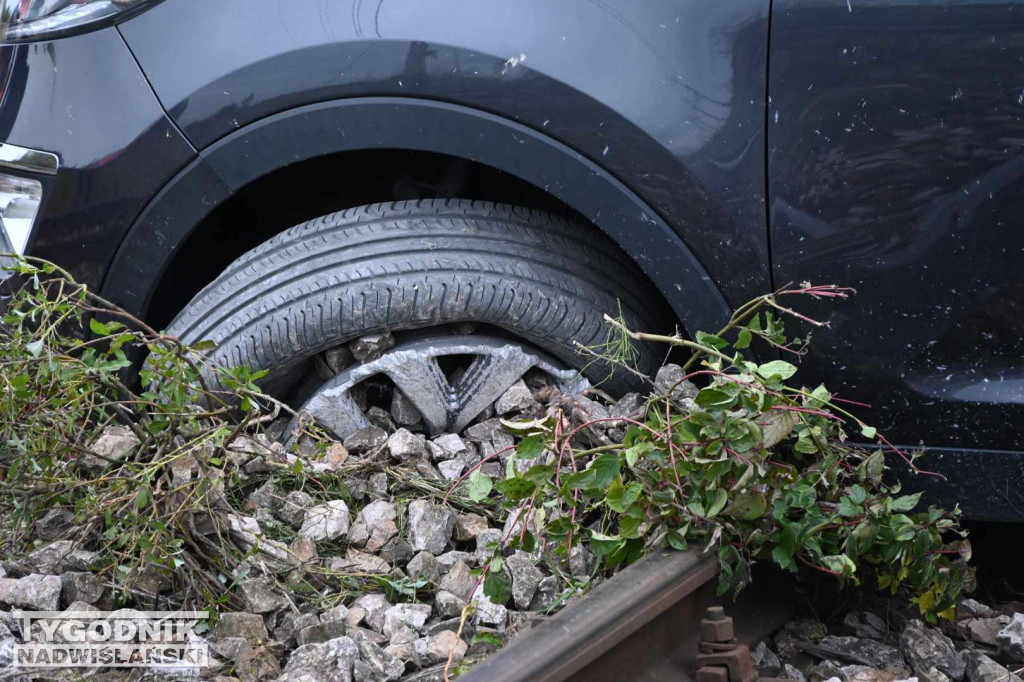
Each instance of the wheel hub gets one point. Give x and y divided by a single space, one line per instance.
413 367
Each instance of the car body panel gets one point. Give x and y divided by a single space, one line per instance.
424 125
896 165
85 99
665 96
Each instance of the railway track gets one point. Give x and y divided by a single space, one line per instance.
650 623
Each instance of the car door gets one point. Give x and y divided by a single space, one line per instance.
896 166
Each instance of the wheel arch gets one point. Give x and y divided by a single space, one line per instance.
239 172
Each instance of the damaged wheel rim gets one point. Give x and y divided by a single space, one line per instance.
445 406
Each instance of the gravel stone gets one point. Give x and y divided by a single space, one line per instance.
375 605
54 523
459 581
866 624
290 624
486 541
374 526
581 561
80 587
35 591
430 526
451 469
293 508
484 431
880 655
791 673
411 615
377 484
974 609
525 579
927 650
381 419
670 378
359 562
267 496
546 595
630 406
113 444
405 445
447 446
331 661
370 347
765 660
320 632
468 526
423 566
1011 638
261 595
981 668
404 634
864 673
338 358
383 666
246 625
517 398
366 440
435 649
448 559
984 630
326 521
487 612
448 605
403 411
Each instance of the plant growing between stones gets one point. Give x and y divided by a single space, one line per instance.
750 466
160 482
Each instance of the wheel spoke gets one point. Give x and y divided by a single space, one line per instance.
335 409
487 378
420 378
413 367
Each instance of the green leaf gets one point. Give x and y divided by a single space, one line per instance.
848 508
906 502
875 464
840 563
601 544
868 431
635 452
599 476
746 507
803 496
98 328
496 587
478 486
516 489
677 538
487 638
744 338
717 503
35 348
143 497
858 494
779 368
711 340
620 497
783 558
531 447
714 397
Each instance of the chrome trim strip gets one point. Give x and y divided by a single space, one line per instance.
32 160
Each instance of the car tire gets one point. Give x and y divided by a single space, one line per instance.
418 264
